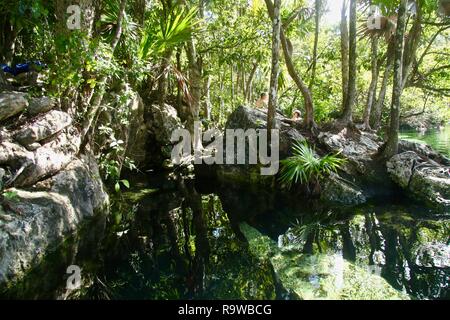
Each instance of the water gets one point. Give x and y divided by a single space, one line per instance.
175 238
439 139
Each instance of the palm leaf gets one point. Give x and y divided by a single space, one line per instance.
305 165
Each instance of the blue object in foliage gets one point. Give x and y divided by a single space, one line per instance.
22 67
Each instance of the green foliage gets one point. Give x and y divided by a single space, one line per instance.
10 195
172 28
113 161
305 166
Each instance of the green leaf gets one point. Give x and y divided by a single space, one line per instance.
126 183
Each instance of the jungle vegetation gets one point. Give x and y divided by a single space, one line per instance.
206 57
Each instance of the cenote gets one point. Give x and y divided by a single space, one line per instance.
438 138
180 238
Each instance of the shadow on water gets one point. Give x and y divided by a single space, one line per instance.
173 238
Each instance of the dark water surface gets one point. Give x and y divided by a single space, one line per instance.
172 239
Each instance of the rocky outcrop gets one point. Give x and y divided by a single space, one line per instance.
37 220
245 118
423 150
161 122
423 178
27 165
346 188
358 148
50 189
11 104
137 132
41 105
248 118
48 125
339 190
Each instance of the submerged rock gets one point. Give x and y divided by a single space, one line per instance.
320 276
425 179
38 220
11 104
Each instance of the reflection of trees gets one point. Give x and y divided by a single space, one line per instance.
418 280
198 263
361 238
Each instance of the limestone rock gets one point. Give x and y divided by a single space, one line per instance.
29 167
11 104
38 221
357 148
422 150
338 190
162 121
41 105
426 180
137 134
248 118
43 128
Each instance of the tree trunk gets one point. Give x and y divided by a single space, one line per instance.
195 79
318 5
378 107
98 94
179 88
287 47
232 84
391 147
139 8
411 46
164 76
273 93
344 53
373 84
347 116
207 95
248 90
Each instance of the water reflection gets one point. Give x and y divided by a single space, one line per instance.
179 238
411 252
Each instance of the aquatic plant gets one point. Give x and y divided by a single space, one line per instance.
305 166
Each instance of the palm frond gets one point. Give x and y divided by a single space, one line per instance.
305 165
172 28
109 18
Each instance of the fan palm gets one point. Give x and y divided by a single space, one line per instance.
109 20
306 166
165 30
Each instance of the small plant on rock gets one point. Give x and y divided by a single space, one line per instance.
306 167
